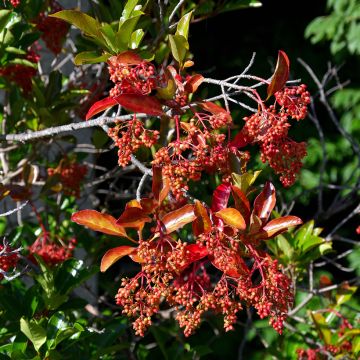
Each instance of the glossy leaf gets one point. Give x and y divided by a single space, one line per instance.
136 38
125 58
34 332
232 217
244 181
97 221
179 47
279 225
183 25
202 223
115 254
140 104
255 224
176 219
133 217
193 83
194 252
213 108
280 75
89 57
160 185
5 17
265 202
100 106
241 203
220 197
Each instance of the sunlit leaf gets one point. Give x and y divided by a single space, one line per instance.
140 104
279 225
125 58
176 219
183 25
202 223
241 203
244 181
179 47
193 83
100 106
280 75
90 57
34 332
115 254
133 217
194 252
220 197
232 217
321 326
265 202
160 184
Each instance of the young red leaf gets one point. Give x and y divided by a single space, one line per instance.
133 217
277 226
212 108
140 104
265 202
239 140
232 217
255 224
115 254
220 197
160 185
280 75
193 252
202 223
234 266
97 221
241 203
125 58
148 205
99 106
176 219
193 83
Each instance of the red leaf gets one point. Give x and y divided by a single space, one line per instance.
178 218
99 106
239 140
220 197
125 58
193 83
278 226
160 184
202 223
280 75
193 252
148 205
98 222
212 108
232 217
235 265
133 217
140 104
241 203
115 254
265 202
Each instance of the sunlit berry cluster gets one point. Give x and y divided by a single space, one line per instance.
15 3
71 175
53 30
50 251
130 136
8 259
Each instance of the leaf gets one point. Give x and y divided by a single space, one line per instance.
193 252
136 38
97 221
125 58
100 106
176 219
321 326
239 141
241 203
303 233
160 184
140 104
5 18
344 294
244 181
133 217
220 197
265 202
24 62
280 75
179 47
115 254
193 83
90 57
202 223
232 217
123 36
82 21
213 108
277 226
34 332
183 25
235 266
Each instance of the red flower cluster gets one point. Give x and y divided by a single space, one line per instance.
22 74
51 252
70 175
53 30
8 259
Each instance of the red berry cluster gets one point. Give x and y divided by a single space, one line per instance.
130 136
51 252
21 74
53 30
15 3
71 175
8 259
131 78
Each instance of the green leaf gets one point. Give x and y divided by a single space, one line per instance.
179 47
123 36
109 36
321 326
24 62
303 233
344 294
34 332
5 18
128 9
183 25
244 181
136 38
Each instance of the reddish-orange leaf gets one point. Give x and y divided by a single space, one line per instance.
115 254
239 140
133 217
241 203
140 104
232 217
193 83
176 219
97 221
277 226
160 184
136 258
255 224
99 106
133 203
148 205
125 58
233 266
202 223
265 202
220 197
280 75
212 108
193 252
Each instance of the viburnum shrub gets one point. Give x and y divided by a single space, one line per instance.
223 266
